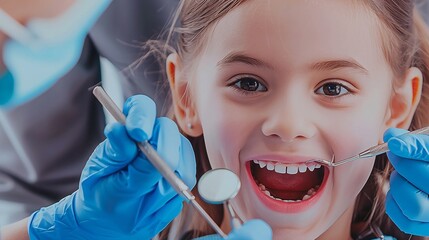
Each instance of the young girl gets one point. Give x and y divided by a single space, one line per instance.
260 88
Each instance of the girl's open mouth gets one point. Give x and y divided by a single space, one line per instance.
287 183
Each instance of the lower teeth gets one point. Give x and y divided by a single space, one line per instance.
311 192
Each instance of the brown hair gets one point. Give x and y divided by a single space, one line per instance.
405 42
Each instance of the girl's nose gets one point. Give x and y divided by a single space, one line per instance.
289 121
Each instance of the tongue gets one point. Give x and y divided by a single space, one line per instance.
287 186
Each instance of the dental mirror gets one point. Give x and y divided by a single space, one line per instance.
218 186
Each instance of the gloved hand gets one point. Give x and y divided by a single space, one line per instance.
121 195
407 202
253 229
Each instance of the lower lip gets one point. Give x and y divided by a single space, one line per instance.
287 207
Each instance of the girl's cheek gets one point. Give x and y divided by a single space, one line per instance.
349 181
222 142
352 133
348 140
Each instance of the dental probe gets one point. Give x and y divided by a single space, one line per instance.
156 160
370 152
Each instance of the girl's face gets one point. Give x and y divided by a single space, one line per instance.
282 82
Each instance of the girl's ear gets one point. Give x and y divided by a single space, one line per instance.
184 109
405 99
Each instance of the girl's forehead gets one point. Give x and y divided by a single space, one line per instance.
296 31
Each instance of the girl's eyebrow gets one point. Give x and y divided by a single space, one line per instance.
338 64
240 57
330 65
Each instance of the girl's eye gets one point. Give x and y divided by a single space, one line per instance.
249 84
332 89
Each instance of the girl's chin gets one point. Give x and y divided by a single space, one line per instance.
302 223
289 226
285 226
292 234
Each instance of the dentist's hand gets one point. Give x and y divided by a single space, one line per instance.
407 202
121 195
251 230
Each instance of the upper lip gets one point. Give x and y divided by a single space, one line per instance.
286 159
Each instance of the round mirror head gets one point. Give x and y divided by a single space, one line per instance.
218 185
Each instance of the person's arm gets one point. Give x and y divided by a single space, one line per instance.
15 231
121 195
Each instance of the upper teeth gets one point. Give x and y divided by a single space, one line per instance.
287 168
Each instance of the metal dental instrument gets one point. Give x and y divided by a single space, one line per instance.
156 160
218 186
370 152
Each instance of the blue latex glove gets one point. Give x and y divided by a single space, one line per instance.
407 202
253 229
121 195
